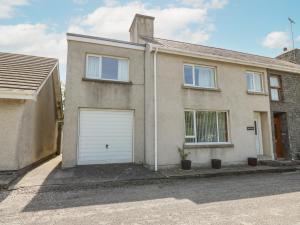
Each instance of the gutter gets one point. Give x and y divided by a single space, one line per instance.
228 60
17 94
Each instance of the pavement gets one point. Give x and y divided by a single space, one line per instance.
253 199
50 173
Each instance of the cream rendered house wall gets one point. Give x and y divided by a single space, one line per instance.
11 112
173 99
38 133
102 95
28 129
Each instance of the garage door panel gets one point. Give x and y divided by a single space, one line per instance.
100 128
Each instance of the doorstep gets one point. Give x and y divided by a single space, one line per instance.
224 171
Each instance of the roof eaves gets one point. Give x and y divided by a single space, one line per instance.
228 59
17 94
104 41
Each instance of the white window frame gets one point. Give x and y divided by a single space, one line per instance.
195 128
204 66
277 88
261 81
100 66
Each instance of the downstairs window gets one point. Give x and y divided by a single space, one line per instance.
206 126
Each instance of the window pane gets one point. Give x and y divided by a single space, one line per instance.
197 76
222 124
274 94
188 74
257 80
207 77
189 123
109 68
92 67
250 82
123 70
274 82
190 140
206 126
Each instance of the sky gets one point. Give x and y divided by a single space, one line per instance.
39 27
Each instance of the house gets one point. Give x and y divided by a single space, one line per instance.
139 101
285 108
30 110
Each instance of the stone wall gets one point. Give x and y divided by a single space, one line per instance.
291 56
289 104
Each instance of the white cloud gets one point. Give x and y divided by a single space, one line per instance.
214 4
7 7
112 20
276 39
33 39
182 23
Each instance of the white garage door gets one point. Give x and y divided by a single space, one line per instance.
105 137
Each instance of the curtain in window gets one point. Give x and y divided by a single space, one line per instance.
123 70
274 94
250 82
93 67
274 82
206 127
207 77
257 80
222 124
189 126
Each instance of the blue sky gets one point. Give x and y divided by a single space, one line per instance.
38 27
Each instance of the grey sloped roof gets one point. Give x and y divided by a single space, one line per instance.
223 53
24 72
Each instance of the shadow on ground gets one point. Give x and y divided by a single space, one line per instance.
199 191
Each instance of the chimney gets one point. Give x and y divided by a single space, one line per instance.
142 26
292 55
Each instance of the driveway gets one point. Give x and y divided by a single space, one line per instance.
51 173
262 199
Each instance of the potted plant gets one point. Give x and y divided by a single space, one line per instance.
216 163
252 161
185 163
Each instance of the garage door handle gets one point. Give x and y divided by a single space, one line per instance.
107 146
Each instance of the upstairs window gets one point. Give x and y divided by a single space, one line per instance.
275 88
254 82
199 76
106 68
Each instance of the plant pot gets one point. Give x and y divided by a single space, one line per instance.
252 161
216 163
186 164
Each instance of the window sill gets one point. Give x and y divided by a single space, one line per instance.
201 88
215 145
256 93
107 81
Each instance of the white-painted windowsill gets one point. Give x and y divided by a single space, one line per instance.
208 145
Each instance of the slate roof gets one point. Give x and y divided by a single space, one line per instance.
24 72
220 52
